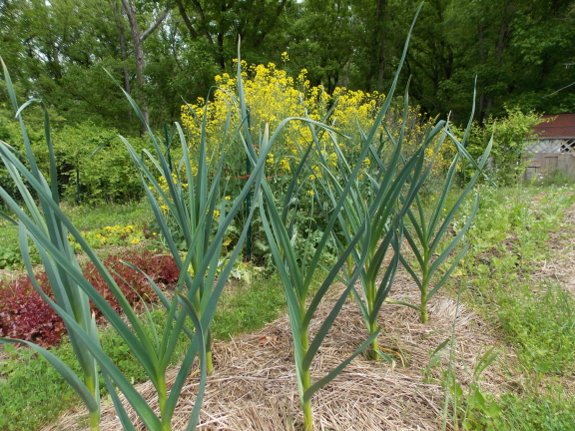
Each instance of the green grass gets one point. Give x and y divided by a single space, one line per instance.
541 324
510 237
87 217
31 391
84 217
249 307
551 411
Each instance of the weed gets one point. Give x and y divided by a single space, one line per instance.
32 393
510 235
553 410
250 307
465 405
541 324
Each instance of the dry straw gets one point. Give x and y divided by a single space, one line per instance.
253 386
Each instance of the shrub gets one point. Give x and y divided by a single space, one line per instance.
81 176
271 96
510 138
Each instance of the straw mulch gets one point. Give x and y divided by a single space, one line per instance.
253 386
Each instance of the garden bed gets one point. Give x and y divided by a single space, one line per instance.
253 386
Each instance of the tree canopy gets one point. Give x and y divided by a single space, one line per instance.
167 51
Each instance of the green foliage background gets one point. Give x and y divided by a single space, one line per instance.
519 50
107 175
511 137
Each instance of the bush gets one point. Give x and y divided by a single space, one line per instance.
510 138
271 96
108 175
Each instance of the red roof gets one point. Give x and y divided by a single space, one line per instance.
563 126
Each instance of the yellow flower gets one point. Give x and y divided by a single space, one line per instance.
273 96
284 165
310 192
332 159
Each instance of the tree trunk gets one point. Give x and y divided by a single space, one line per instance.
138 53
123 50
380 40
382 54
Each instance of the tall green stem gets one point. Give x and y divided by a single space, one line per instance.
94 421
209 363
162 398
374 343
424 287
306 383
307 416
423 308
166 426
90 381
372 326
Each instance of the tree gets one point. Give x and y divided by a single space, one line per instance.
138 39
219 24
322 41
59 59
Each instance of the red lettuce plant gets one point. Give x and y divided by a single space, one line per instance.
24 315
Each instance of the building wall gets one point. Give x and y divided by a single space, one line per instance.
551 145
544 164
